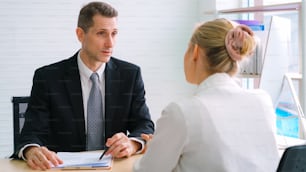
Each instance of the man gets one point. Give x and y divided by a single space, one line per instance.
57 114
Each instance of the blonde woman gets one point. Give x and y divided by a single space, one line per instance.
222 127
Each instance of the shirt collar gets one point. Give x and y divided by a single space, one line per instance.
84 70
218 79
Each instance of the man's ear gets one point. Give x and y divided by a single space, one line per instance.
80 34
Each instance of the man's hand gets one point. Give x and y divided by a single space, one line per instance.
41 158
121 146
147 138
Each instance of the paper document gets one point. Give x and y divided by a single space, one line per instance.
84 160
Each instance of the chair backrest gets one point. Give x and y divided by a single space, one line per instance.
293 159
20 105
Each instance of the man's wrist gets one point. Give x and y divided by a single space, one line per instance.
24 149
139 144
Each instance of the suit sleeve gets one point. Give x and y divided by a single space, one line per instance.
140 116
35 129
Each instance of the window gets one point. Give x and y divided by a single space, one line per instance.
286 96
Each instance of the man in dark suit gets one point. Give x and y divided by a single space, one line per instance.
57 111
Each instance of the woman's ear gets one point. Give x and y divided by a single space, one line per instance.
195 53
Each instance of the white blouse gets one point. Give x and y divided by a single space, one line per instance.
223 127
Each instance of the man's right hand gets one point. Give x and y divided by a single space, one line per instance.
41 158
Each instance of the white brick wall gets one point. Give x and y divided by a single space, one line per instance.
152 34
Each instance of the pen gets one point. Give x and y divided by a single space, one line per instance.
106 149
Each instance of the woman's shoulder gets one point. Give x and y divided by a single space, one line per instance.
260 97
184 107
260 93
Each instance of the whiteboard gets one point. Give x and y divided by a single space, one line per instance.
276 56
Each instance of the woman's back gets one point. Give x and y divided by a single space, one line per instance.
222 127
229 128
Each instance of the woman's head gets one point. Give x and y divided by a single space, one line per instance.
221 44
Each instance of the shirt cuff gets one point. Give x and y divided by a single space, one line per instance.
142 142
21 155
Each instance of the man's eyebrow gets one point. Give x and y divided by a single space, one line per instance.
103 29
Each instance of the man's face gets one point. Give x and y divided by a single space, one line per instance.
99 41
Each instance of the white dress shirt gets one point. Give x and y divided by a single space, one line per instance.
221 128
86 84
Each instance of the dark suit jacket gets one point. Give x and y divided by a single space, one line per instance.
55 114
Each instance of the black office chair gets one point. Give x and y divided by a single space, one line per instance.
19 107
293 159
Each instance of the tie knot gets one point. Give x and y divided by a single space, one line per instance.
94 78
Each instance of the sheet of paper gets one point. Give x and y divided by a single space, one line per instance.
84 159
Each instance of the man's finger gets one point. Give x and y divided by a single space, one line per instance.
32 164
51 157
123 153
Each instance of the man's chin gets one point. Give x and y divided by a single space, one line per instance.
105 59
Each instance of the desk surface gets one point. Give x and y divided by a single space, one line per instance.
125 164
119 165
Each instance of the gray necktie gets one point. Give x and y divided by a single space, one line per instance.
95 122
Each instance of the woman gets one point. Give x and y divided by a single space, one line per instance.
222 127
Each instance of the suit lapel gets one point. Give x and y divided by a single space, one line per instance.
112 77
74 91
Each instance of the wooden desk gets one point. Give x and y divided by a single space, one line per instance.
125 164
119 165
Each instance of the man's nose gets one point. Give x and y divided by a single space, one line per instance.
109 42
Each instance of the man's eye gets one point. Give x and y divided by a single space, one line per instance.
101 33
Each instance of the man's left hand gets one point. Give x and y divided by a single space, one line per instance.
121 146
